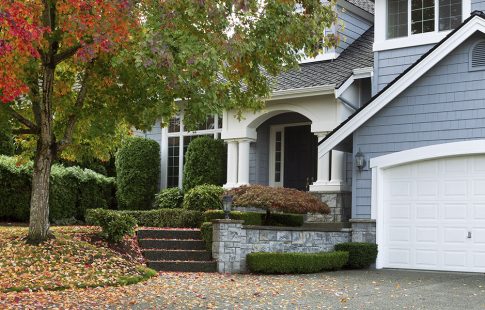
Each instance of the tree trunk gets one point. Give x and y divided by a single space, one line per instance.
45 154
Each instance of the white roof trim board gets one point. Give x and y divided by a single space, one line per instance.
472 25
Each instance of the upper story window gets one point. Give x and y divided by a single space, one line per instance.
407 17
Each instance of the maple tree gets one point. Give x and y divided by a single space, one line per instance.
76 75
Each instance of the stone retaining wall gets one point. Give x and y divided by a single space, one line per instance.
232 242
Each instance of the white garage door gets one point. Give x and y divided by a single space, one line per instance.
434 215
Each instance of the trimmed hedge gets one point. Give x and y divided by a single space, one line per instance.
361 254
138 173
72 191
115 225
249 218
167 218
170 198
205 163
258 219
204 197
271 263
206 232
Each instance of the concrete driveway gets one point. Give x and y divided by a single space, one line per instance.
405 289
355 289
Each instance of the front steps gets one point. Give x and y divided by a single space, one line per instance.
175 250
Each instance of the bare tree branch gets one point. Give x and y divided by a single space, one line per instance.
73 118
66 54
23 120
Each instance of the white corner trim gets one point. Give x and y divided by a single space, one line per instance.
359 73
302 92
381 163
429 152
475 24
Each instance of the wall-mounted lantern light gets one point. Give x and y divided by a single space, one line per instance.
227 204
360 160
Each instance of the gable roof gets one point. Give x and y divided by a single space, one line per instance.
330 72
474 23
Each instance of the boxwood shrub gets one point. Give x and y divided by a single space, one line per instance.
115 225
169 198
271 263
255 218
137 173
361 254
72 191
206 231
167 218
204 197
249 218
205 163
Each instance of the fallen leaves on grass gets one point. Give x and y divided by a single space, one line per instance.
61 263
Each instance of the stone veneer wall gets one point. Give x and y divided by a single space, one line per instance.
232 242
340 205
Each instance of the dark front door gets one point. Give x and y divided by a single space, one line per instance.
301 151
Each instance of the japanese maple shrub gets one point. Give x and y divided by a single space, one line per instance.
277 199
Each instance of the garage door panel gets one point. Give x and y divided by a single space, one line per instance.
427 235
455 211
455 189
429 209
426 258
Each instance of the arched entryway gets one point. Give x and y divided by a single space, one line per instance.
285 152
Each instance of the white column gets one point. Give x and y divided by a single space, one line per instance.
232 164
243 162
323 170
338 168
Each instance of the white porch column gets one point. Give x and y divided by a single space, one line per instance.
338 168
243 162
232 164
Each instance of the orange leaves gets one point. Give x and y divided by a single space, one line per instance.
93 27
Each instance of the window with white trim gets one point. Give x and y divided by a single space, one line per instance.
410 17
178 141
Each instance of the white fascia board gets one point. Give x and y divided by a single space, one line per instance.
302 92
356 10
359 73
475 24
329 55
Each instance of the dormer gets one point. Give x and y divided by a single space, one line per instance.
406 23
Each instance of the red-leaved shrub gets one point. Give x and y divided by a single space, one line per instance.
277 199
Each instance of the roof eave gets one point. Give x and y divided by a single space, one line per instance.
302 92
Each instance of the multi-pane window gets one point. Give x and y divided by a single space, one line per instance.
422 16
397 18
450 14
278 153
178 142
407 17
173 162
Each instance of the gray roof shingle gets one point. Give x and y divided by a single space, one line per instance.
357 55
365 5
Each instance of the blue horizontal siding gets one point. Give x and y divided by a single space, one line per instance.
478 5
353 27
447 104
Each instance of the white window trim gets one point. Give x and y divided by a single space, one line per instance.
381 43
272 147
181 134
381 163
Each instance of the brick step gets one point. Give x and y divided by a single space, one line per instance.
163 244
169 234
204 266
176 255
